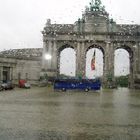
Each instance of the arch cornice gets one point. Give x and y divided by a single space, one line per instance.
63 43
100 45
129 46
66 44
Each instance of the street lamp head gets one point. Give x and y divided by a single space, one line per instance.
48 56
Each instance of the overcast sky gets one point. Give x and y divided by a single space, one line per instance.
21 21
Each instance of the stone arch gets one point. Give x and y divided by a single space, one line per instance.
59 50
130 51
127 48
66 44
95 46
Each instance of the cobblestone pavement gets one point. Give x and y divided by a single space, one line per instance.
42 114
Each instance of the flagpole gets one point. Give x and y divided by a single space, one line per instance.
93 64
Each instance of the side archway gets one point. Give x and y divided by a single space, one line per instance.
123 66
66 60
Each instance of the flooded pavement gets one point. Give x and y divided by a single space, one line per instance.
42 114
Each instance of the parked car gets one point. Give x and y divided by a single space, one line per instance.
1 88
7 85
27 85
24 84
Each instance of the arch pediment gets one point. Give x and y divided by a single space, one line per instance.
95 45
62 45
127 46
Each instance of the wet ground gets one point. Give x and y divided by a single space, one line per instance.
42 114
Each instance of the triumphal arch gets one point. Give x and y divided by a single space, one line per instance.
94 30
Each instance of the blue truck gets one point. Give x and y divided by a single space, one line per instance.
77 84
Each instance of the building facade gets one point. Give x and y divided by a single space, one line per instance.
20 64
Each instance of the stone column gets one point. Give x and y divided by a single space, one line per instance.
80 59
11 73
0 73
54 61
133 65
54 56
78 56
50 66
43 54
15 75
108 75
135 72
139 58
45 63
49 51
138 63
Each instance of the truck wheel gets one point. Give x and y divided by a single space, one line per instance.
86 89
1 88
63 89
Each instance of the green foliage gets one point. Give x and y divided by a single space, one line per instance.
79 76
122 81
109 78
63 76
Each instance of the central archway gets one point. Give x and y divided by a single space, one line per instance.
99 62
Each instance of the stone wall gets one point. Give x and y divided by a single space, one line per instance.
21 68
28 70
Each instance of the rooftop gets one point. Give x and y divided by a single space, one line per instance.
29 53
